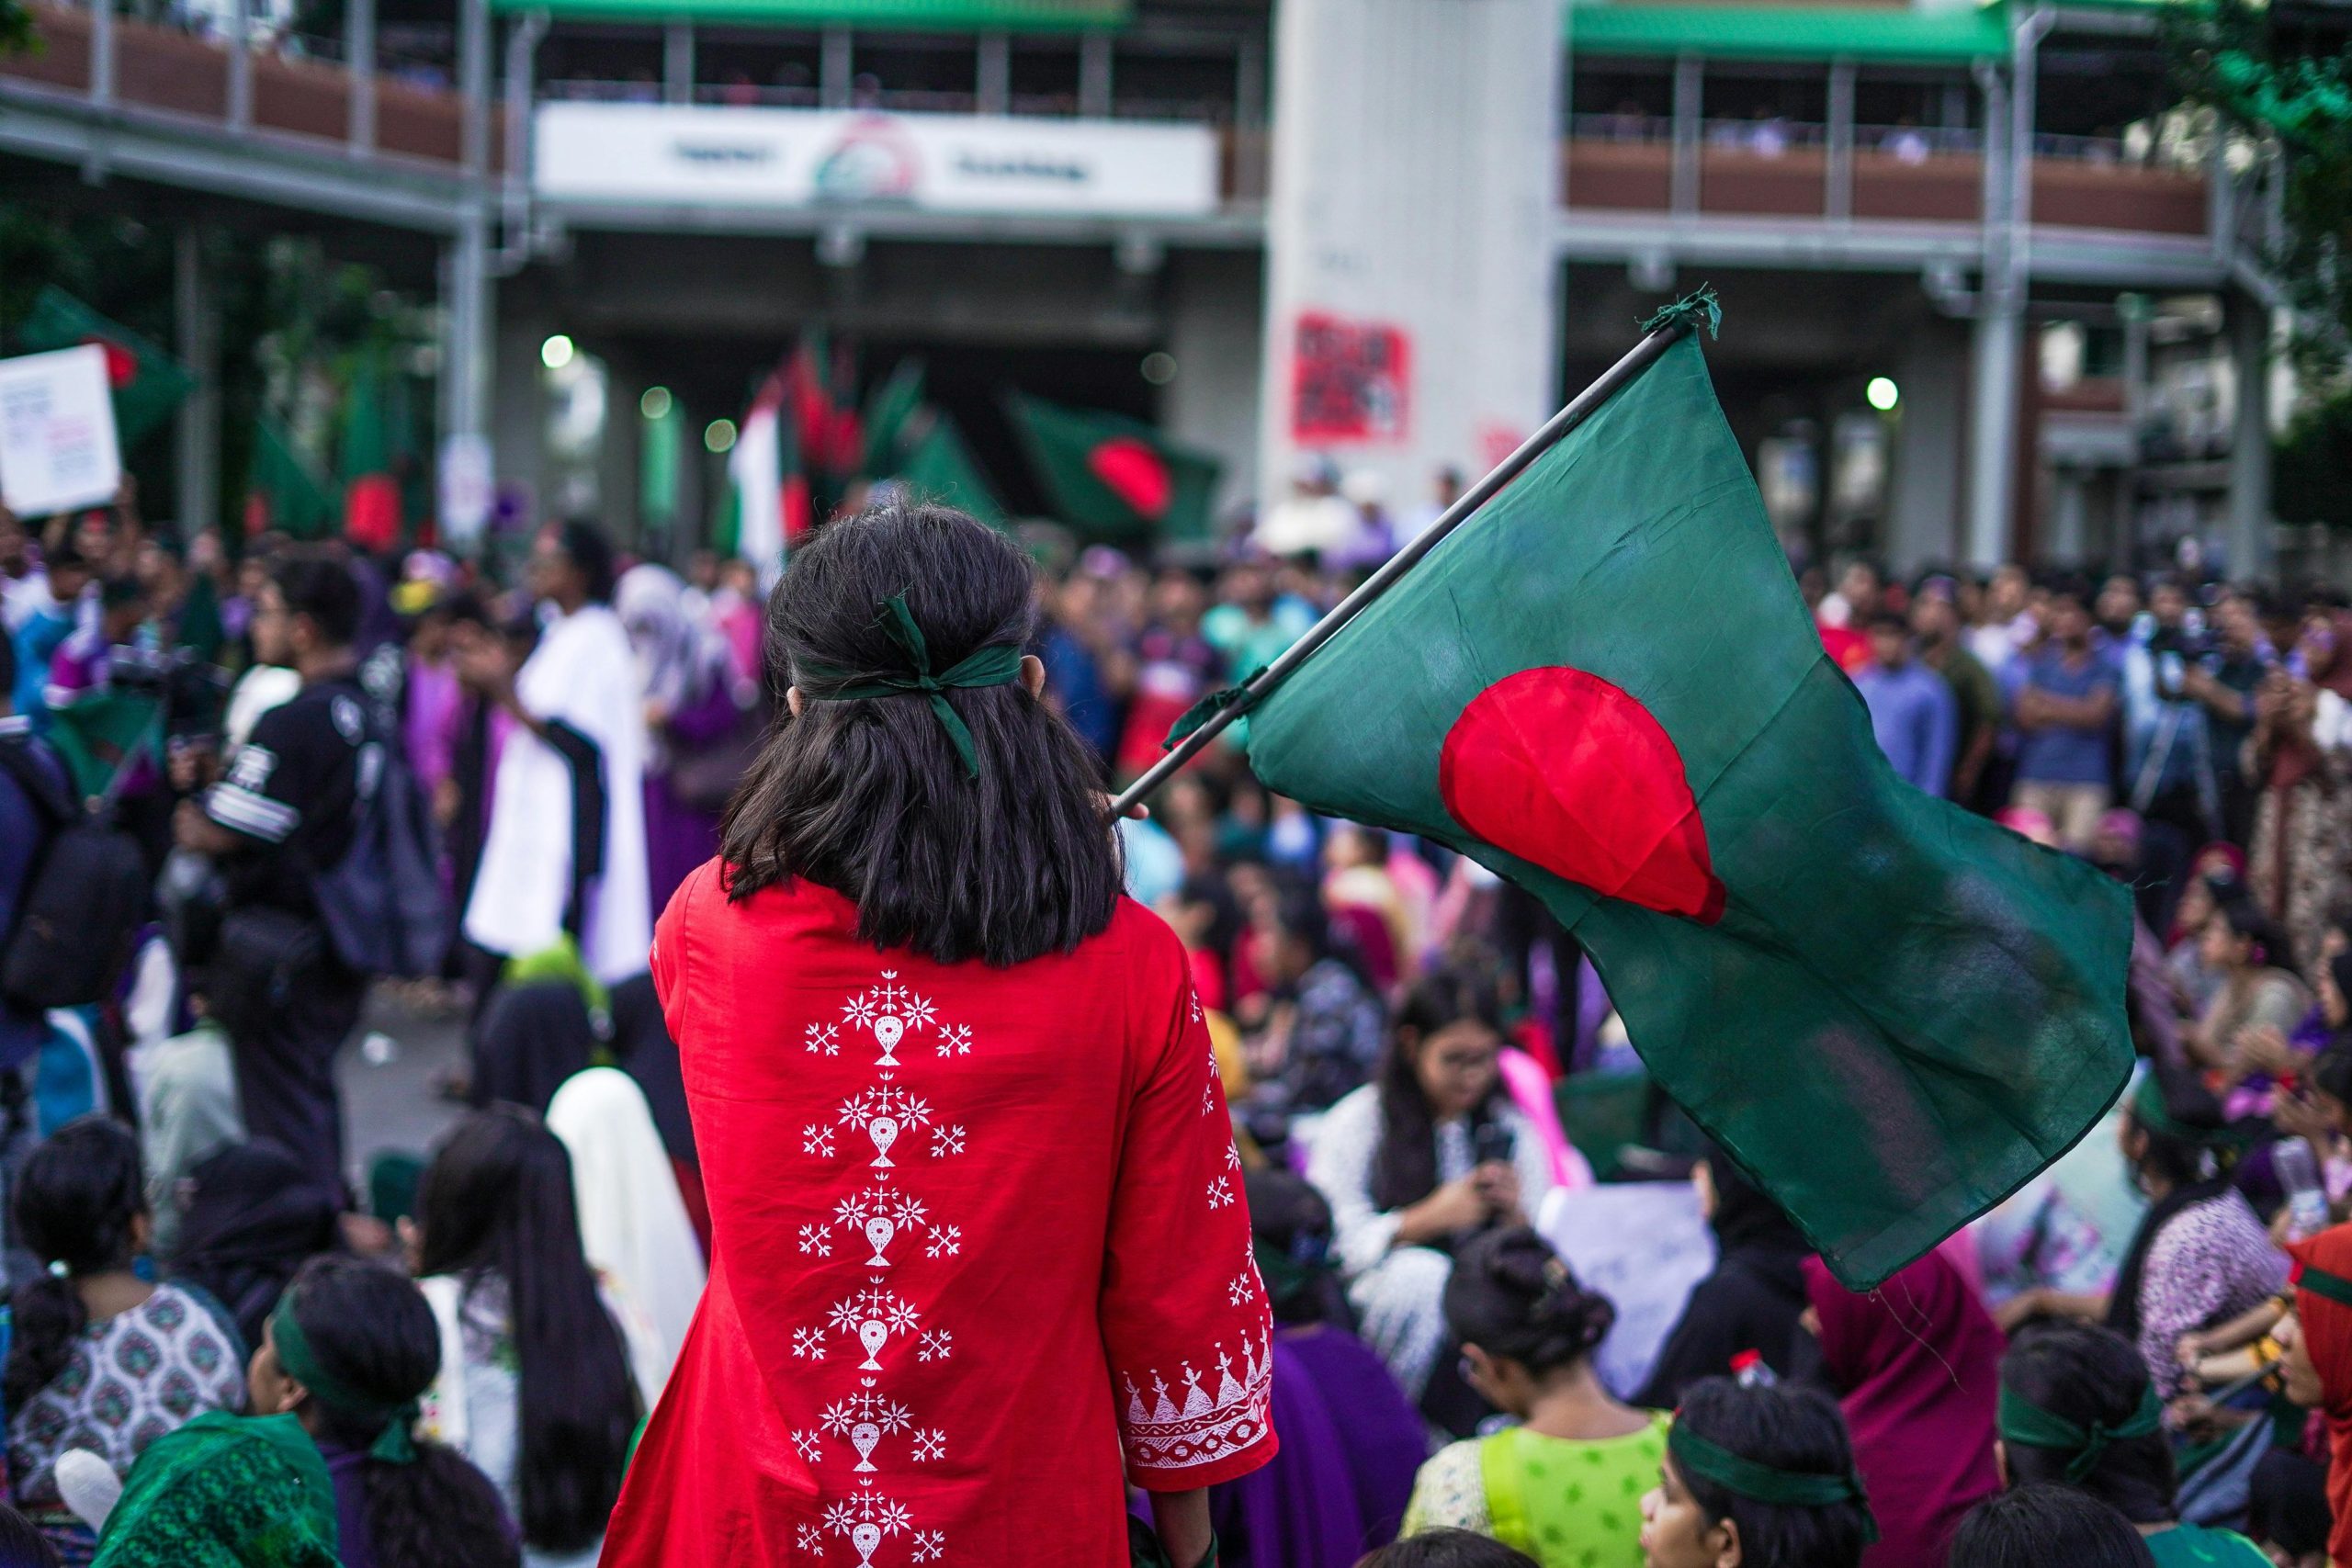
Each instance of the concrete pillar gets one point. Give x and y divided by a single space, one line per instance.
197 434
1215 302
359 71
1094 76
678 62
102 52
1690 86
1994 347
2070 532
1923 508
1839 199
992 84
466 357
2249 537
834 70
241 65
518 412
1431 228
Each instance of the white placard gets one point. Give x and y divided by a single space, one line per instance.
696 155
57 440
465 487
1644 1246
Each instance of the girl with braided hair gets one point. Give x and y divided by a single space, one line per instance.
1565 1485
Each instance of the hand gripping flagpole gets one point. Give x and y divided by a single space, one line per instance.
1662 331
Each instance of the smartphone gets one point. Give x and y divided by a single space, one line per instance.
1493 1145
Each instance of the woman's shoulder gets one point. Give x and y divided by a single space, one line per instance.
1450 1490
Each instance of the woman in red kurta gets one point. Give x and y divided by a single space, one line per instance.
980 1247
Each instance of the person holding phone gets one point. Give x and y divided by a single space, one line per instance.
1429 1154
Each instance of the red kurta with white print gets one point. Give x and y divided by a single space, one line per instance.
980 1248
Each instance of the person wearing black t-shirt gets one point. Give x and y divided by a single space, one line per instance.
286 811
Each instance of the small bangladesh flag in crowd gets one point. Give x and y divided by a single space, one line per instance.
371 496
147 383
1115 479
1890 1012
767 493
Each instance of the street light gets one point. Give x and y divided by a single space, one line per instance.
718 435
556 352
1883 393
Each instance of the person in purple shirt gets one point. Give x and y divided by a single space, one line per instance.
350 1350
1913 712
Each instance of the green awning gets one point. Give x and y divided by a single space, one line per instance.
1776 32
940 15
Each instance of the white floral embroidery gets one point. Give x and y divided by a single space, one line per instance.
1220 1192
1159 1435
872 1317
809 1344
819 1141
955 1040
945 1242
811 1539
823 1039
930 1445
889 1012
946 1141
1240 1290
930 1546
815 1242
937 1345
809 1444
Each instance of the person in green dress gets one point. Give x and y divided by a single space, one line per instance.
2077 1409
1756 1476
1564 1484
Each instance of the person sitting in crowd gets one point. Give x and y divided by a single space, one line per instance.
536 1384
2048 1527
1527 1332
1915 1365
2216 873
225 1492
99 1359
2077 1409
248 1222
2256 996
1351 1441
1756 1476
1750 1301
1416 1162
349 1350
1317 1023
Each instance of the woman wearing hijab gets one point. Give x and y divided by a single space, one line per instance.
633 1225
682 667
2076 1409
2302 754
2317 1366
1750 1301
981 1252
1916 1367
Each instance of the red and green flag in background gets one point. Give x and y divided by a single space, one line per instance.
939 467
1604 686
147 384
371 495
1116 479
284 491
891 410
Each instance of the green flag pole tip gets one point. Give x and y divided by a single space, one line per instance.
1213 714
1689 312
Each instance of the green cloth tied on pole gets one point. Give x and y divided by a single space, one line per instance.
1208 708
1760 1482
1605 686
998 664
2028 1425
394 1445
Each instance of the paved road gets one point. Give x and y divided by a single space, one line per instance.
387 1074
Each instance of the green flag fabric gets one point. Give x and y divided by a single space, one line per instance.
890 411
1604 686
371 498
283 489
939 466
147 383
1116 479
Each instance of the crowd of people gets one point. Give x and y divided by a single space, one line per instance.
333 777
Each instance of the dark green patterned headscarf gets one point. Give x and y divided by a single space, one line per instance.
225 1492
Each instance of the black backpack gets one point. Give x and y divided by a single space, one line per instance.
382 903
78 923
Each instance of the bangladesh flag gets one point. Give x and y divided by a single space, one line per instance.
940 467
147 383
767 493
283 491
1116 479
371 496
1604 686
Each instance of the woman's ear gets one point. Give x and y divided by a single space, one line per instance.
2001 1463
1727 1554
794 700
1032 677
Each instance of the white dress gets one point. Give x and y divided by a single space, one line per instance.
1398 1291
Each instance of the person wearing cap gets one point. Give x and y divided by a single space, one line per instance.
2077 1409
981 1252
1756 1476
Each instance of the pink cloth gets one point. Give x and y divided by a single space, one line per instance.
1918 1363
1529 1088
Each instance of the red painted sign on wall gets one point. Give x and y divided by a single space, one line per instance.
1350 381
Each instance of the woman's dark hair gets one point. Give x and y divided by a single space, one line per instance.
22 1545
1290 1233
1511 1295
585 545
1788 1428
315 581
2245 918
372 1332
76 1201
2093 1376
1404 1163
2331 1070
868 797
2047 1527
2181 1157
497 1201
252 1217
1447 1549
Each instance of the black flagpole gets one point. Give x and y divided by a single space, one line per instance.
1677 320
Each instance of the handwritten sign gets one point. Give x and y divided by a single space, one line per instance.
57 439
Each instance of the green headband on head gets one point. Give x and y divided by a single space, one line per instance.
2030 1425
998 664
1694 1455
2327 1287
295 1356
2151 1111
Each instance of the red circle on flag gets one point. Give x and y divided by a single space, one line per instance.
122 366
1567 772
1138 476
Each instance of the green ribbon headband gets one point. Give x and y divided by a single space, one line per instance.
998 664
1694 1455
2030 1425
2150 1110
394 1445
2327 1287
